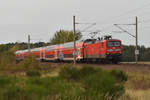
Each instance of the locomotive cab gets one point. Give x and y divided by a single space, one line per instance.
111 48
114 50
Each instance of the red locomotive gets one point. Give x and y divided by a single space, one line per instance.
102 49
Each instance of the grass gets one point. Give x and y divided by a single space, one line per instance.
138 85
139 94
138 81
53 81
70 83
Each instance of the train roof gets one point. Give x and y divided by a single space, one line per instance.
68 45
71 44
64 45
112 40
19 51
36 49
99 39
51 47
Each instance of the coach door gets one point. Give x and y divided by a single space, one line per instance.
55 54
102 49
79 53
41 54
85 51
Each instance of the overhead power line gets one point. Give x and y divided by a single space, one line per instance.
125 13
124 30
88 27
143 6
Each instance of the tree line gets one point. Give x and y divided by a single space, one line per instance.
63 36
129 53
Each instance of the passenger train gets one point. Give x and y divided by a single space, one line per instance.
100 50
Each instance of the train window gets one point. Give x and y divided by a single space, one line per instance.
113 44
110 44
117 44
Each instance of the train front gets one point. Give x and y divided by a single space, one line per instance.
114 50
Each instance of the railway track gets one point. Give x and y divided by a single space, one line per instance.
122 66
147 64
126 67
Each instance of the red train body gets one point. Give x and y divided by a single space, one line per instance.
106 49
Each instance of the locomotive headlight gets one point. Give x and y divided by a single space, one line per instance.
109 50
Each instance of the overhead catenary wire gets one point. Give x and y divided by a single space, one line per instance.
139 8
83 30
126 13
124 30
115 18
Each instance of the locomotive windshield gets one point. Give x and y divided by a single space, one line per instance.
113 44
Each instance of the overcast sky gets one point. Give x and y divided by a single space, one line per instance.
42 18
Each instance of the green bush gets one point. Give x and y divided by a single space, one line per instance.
9 88
72 73
69 73
86 83
29 63
7 60
33 73
85 71
96 82
119 75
